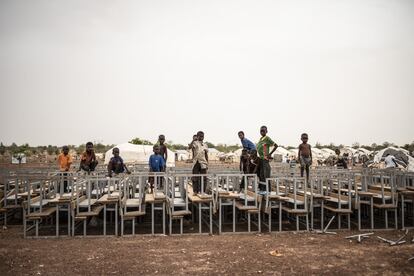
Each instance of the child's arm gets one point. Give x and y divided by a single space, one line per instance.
109 169
310 153
299 152
274 149
126 168
166 153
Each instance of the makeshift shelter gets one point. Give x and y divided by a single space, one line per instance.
326 153
213 154
317 154
138 154
282 154
402 157
361 154
182 155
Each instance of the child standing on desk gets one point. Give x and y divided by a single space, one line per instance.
156 164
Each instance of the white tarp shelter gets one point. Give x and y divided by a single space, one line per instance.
137 154
182 155
213 154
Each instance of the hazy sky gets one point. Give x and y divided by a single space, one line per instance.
73 71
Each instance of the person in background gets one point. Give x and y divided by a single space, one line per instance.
340 160
390 161
163 147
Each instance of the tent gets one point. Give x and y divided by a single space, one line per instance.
282 154
182 155
213 154
326 153
138 154
401 155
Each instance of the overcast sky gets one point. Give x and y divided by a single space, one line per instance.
74 71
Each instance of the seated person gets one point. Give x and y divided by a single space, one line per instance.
116 164
88 159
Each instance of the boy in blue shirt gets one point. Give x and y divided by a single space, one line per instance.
156 164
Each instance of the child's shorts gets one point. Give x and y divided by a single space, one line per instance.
305 161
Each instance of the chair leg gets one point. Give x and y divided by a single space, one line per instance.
307 222
396 218
386 218
248 222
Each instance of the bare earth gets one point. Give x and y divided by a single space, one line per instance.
293 253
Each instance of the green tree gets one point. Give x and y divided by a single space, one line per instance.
355 145
138 141
210 145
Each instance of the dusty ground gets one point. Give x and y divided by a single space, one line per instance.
296 253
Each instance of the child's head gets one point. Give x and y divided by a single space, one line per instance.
65 150
115 152
337 151
263 130
89 147
200 136
241 135
195 137
244 152
253 153
304 138
161 139
156 149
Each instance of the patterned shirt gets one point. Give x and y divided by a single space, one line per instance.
263 146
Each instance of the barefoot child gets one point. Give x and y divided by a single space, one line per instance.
305 156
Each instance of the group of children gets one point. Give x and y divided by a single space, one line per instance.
254 158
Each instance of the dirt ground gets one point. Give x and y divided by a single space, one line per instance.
276 254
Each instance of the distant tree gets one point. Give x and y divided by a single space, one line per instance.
227 148
210 145
175 147
2 149
355 145
386 144
138 141
318 145
80 149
